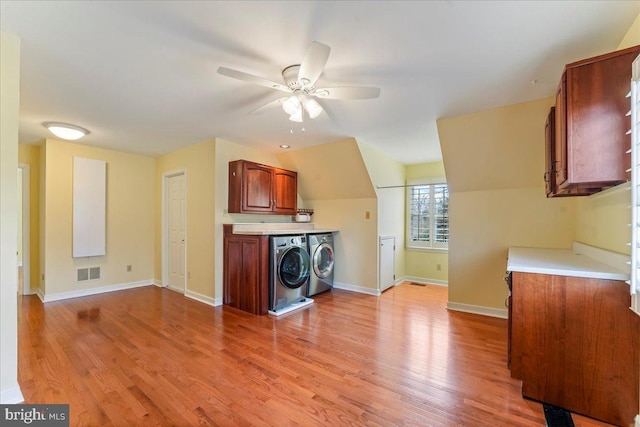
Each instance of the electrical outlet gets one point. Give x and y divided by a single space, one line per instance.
129 268
438 267
367 215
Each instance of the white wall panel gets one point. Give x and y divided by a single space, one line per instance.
89 207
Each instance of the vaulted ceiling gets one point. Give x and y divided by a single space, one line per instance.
141 75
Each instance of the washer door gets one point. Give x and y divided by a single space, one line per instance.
323 261
294 267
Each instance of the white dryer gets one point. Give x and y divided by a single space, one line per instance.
322 262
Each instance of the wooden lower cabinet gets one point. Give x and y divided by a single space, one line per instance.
246 271
574 344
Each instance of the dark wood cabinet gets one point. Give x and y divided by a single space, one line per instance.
589 151
574 344
257 188
246 271
550 147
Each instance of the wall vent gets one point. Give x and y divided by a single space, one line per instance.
83 274
89 273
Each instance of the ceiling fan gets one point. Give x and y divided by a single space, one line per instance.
299 84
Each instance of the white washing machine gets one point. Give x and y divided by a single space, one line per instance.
290 266
322 262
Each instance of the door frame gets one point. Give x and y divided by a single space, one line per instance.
26 228
165 226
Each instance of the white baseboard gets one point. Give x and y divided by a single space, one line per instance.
40 294
356 288
637 423
93 291
424 281
501 313
214 302
11 396
158 283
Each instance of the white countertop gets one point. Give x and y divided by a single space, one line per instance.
284 228
580 261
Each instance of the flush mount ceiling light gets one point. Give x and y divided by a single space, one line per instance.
284 146
66 131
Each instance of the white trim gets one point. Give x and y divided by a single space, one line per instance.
165 224
637 421
94 291
214 302
40 294
424 281
356 288
11 396
26 228
501 313
159 283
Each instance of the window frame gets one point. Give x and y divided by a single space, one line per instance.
429 246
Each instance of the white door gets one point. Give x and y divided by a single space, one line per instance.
176 207
387 262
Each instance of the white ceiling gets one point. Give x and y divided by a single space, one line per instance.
141 75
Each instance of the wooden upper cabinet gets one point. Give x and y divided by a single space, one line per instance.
286 191
257 188
591 123
549 158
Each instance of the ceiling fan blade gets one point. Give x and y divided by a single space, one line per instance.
347 92
313 63
235 74
277 103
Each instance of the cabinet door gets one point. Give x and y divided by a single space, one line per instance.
246 271
257 188
560 146
597 121
549 158
286 191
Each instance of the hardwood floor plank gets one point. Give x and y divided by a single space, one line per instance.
150 356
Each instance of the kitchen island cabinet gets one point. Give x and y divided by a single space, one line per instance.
574 341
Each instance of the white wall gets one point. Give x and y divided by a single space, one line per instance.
9 109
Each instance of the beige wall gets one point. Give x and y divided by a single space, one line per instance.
9 109
494 162
423 264
334 181
384 171
30 155
197 162
130 218
356 243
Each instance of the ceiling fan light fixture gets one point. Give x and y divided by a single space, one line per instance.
66 131
313 108
291 105
296 116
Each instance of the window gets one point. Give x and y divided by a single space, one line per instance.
427 215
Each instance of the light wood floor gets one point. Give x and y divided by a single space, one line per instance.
150 356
